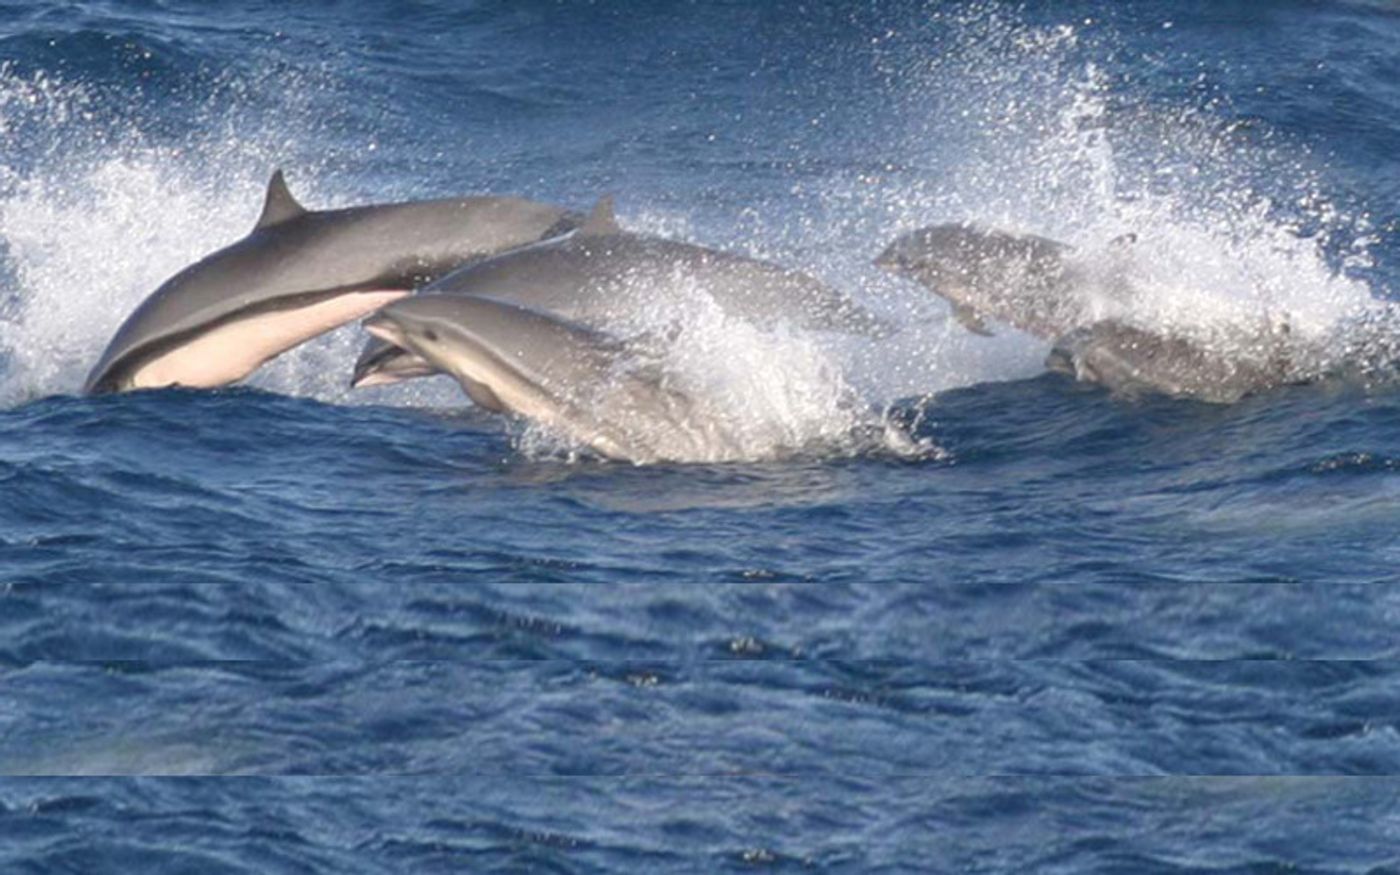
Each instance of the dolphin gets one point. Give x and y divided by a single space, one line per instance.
1034 284
300 273
989 274
602 276
1128 361
575 380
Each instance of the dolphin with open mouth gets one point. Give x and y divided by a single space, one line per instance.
584 384
300 273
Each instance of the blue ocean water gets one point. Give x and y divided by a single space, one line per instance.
1003 622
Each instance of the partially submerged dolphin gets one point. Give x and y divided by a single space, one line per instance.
1129 360
300 273
573 379
1033 283
602 276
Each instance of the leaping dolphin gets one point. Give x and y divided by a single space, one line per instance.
300 273
601 276
573 379
992 275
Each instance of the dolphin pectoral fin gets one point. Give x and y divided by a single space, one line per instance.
279 206
971 320
602 220
482 395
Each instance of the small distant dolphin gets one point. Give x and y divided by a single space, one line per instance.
601 275
300 273
988 274
1030 283
578 381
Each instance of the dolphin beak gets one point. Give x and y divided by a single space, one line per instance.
367 372
364 375
361 380
385 327
887 260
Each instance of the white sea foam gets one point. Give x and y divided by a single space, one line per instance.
753 392
1030 132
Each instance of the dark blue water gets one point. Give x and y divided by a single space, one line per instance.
1002 622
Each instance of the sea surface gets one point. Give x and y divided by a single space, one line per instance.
948 613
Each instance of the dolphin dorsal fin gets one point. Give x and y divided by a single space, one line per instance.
601 220
279 206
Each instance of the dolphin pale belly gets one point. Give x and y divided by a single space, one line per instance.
575 380
300 273
602 277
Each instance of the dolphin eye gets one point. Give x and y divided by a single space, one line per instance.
430 335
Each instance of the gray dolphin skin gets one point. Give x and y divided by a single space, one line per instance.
300 273
602 276
991 275
1129 361
1030 283
573 379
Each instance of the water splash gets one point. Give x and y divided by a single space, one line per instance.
96 210
751 392
1029 128
1024 126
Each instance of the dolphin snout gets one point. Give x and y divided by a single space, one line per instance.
384 326
891 259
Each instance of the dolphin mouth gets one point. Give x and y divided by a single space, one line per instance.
369 371
389 365
364 381
888 261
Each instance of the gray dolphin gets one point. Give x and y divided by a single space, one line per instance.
601 276
988 274
1033 284
300 273
573 379
1130 360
